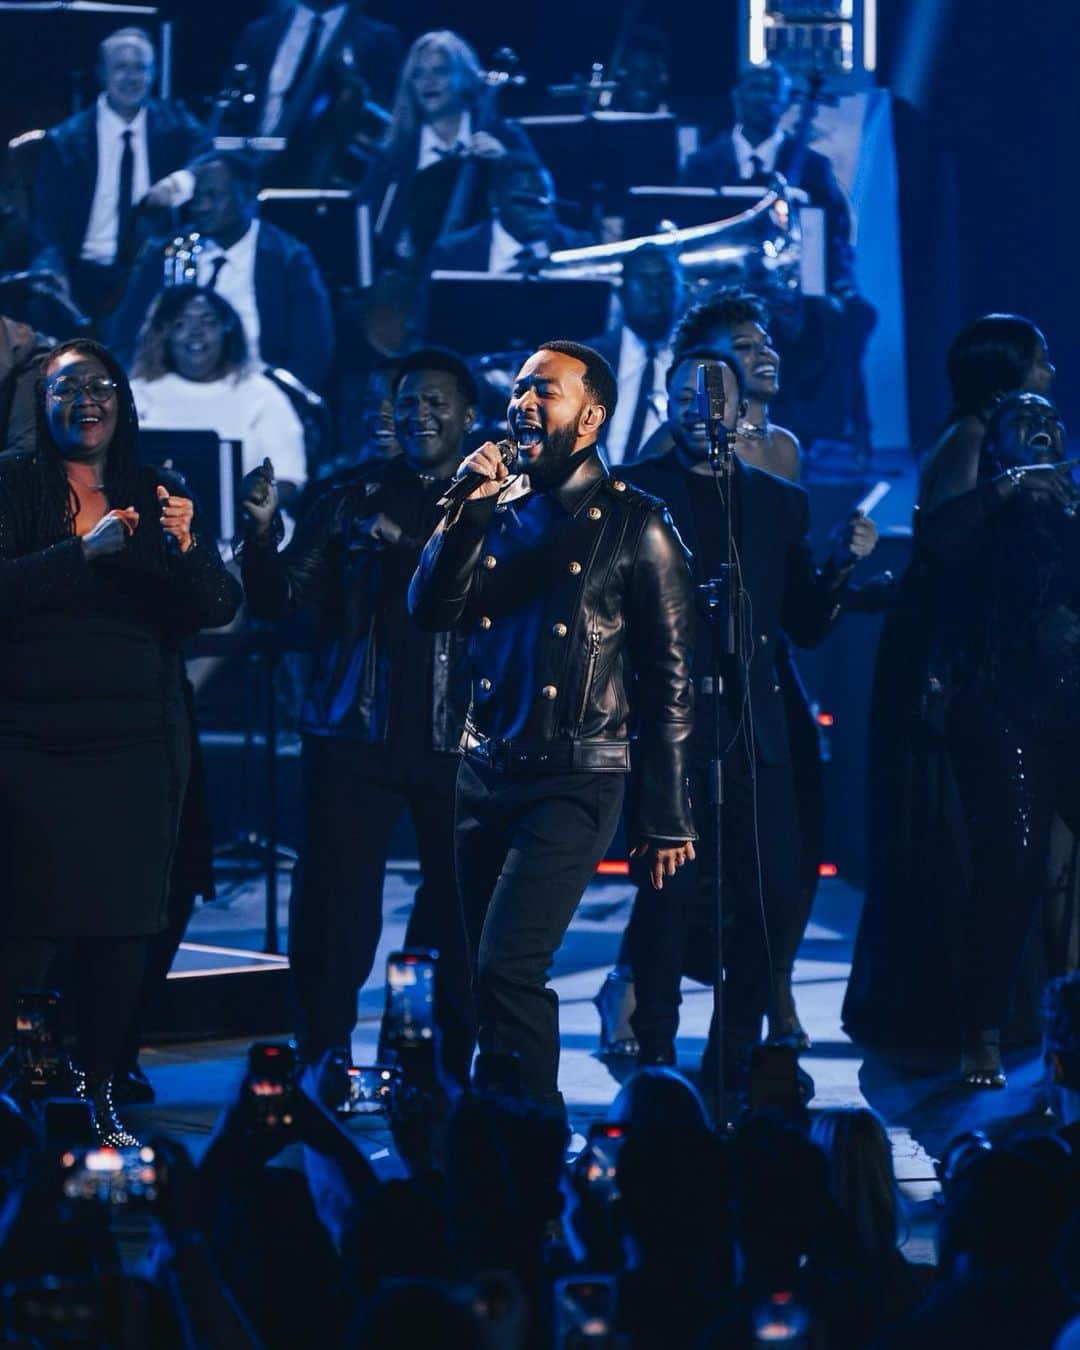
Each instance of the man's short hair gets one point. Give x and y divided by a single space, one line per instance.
702 355
511 164
123 36
437 358
723 310
1061 1026
241 166
599 379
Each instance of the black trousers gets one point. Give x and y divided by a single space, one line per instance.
1012 777
661 920
353 798
526 850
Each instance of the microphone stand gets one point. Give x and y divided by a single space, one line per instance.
721 604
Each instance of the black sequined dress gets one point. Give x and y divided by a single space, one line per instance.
94 733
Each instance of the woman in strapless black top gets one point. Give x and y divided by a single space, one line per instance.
104 571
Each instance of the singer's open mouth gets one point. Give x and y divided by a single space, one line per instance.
529 436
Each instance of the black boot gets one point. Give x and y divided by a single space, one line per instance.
108 1128
980 1059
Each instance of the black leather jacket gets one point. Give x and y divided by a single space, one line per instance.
367 647
568 595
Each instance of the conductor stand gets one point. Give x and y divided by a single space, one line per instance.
720 601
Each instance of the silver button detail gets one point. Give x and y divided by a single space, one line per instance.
618 485
594 513
763 638
485 684
485 622
558 630
490 561
574 568
549 692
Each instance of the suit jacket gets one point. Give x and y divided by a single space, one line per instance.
716 165
787 592
419 200
469 250
67 172
296 327
376 48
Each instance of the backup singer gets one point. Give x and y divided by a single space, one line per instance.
566 581
95 598
782 590
383 711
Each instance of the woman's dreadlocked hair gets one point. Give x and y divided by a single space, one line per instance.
58 505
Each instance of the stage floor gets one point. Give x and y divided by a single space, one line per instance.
923 1108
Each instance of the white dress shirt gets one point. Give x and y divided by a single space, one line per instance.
236 280
766 151
432 149
99 242
633 355
287 59
247 408
502 256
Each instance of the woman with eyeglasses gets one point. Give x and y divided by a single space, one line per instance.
192 373
104 571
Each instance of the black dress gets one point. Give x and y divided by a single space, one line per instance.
94 732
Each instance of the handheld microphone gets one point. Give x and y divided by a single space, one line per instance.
466 483
712 407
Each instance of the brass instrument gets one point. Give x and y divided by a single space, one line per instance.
763 243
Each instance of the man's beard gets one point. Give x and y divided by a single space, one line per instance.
550 467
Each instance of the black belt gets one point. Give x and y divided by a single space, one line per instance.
525 758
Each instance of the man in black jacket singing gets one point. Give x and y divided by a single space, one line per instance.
383 711
576 595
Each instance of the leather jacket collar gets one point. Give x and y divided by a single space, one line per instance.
573 491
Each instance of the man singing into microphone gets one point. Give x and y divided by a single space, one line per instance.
576 594
780 589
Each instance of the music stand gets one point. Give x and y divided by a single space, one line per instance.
596 159
211 467
333 224
479 313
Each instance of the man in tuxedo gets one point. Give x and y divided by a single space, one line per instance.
105 164
292 52
822 339
268 277
523 230
757 147
639 349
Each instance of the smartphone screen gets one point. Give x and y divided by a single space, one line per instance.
410 997
369 1089
585 1312
125 1177
271 1083
599 1158
39 1051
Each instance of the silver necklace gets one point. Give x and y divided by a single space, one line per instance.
750 431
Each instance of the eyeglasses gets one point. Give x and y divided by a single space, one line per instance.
98 389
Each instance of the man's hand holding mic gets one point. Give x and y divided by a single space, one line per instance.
486 468
259 497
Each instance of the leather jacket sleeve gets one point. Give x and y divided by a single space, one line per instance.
441 587
660 633
278 584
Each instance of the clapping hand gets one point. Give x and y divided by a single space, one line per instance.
259 497
111 533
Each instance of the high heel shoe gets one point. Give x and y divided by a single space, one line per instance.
980 1060
109 1129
